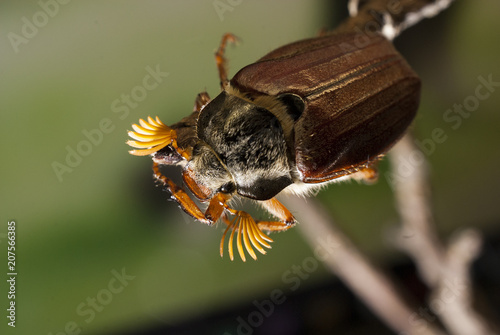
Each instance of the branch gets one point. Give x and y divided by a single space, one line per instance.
347 262
445 270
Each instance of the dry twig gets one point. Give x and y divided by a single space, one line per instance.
445 270
347 262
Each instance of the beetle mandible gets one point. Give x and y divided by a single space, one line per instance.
308 113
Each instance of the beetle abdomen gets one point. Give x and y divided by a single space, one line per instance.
359 99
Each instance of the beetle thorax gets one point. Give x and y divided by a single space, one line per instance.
247 142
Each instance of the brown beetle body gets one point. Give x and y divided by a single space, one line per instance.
305 114
357 102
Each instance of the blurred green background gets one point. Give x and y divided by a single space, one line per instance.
75 231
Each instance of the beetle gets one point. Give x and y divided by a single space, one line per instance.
309 113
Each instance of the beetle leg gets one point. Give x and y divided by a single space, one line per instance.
221 60
368 174
180 196
152 136
276 208
201 100
213 212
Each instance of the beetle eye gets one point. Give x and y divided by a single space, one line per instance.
228 188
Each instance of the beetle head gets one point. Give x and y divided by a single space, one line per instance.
208 172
